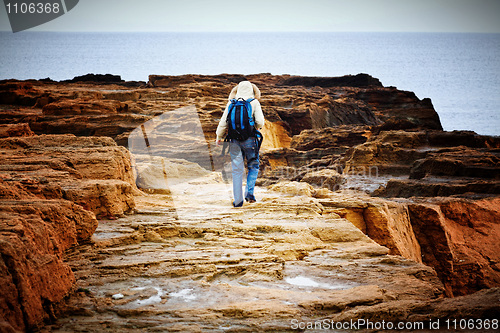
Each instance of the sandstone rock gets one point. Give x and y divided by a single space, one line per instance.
380 157
459 162
39 174
438 187
113 125
311 150
105 198
395 105
322 193
404 139
205 263
388 223
359 80
457 239
157 173
347 136
123 96
175 81
278 259
18 93
34 235
304 108
483 304
326 112
293 188
454 236
83 107
327 178
276 135
11 130
299 160
70 162
441 171
116 113
462 138
97 78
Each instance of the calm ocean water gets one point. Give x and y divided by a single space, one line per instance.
459 72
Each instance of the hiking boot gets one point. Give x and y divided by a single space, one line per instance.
250 198
238 205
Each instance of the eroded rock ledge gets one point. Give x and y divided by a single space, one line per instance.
51 189
357 180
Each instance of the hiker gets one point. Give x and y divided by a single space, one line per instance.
244 141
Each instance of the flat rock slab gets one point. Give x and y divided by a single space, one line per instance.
254 268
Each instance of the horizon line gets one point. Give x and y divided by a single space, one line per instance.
255 32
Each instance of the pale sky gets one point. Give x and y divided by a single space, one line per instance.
277 15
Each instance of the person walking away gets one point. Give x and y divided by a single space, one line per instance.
242 119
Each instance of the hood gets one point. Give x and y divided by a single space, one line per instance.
245 90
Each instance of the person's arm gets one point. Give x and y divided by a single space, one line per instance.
222 127
258 115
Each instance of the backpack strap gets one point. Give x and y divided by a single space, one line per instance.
232 114
225 145
259 137
249 109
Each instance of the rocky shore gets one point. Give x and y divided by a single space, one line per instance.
115 208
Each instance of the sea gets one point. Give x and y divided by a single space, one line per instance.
459 72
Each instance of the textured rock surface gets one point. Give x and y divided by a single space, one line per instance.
35 231
92 172
202 265
455 236
189 262
458 239
114 110
400 109
9 130
459 162
326 178
51 188
429 156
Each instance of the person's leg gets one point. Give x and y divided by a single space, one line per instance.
238 166
251 153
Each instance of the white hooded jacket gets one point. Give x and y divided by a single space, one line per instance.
244 90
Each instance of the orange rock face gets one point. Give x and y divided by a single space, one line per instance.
34 234
459 239
83 107
15 130
298 103
51 188
18 93
93 172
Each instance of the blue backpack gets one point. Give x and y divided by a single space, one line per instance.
240 121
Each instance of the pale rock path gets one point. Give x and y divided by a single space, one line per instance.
196 264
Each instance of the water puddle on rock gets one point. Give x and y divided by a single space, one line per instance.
153 299
184 294
305 282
